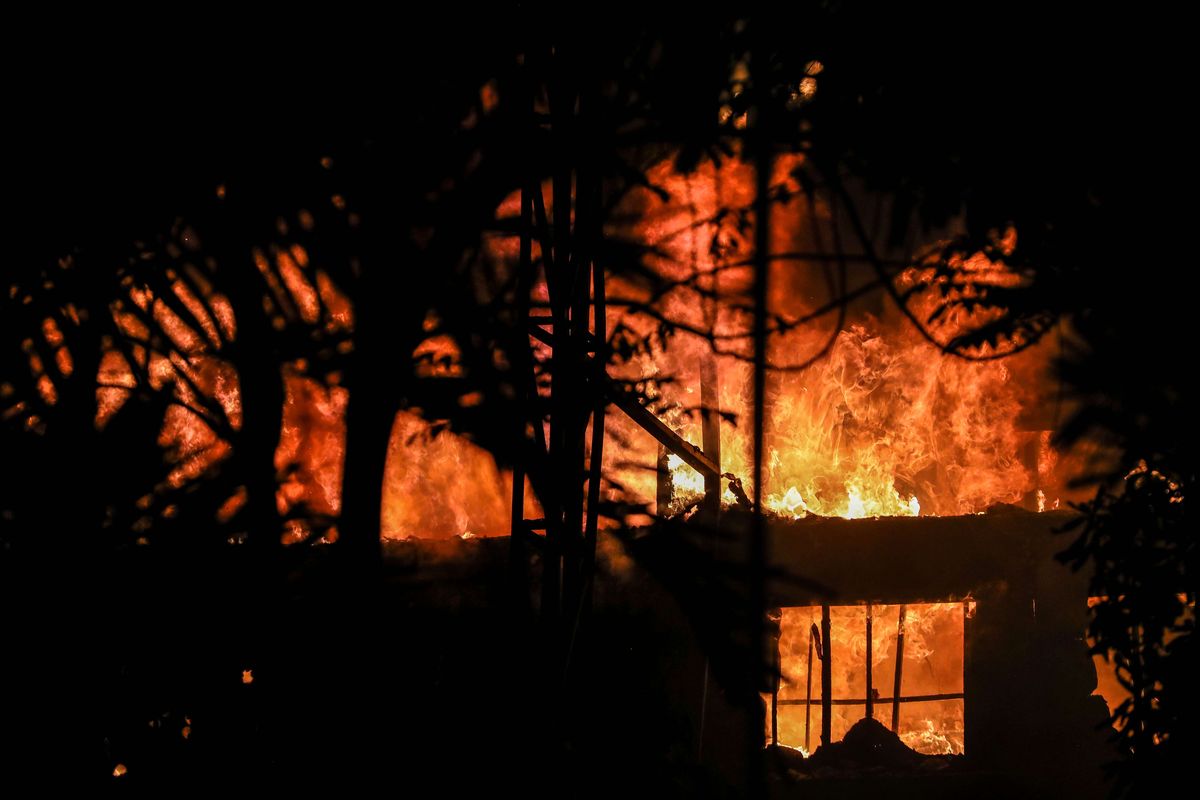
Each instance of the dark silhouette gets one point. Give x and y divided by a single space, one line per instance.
159 621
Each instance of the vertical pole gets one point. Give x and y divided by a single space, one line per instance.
870 685
594 338
758 536
665 489
1030 456
556 263
968 675
596 454
826 677
588 220
710 405
775 711
703 715
899 670
812 633
522 365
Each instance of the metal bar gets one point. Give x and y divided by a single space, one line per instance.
826 678
775 711
691 455
710 405
703 715
870 699
857 701
664 489
969 732
542 335
812 633
589 319
710 402
899 669
596 453
524 364
556 262
1030 452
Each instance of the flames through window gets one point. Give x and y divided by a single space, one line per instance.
901 664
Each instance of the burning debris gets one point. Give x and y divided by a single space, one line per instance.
868 747
911 668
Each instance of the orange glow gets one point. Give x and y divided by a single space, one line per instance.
438 485
425 493
932 665
1109 679
312 444
883 424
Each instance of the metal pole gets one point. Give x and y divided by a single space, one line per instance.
775 712
664 487
826 678
899 670
870 692
710 405
813 634
522 367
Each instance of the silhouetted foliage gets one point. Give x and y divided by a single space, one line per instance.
386 161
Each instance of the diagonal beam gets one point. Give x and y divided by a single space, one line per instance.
628 402
691 455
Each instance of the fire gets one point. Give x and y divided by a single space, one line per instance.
882 424
931 665
436 484
791 504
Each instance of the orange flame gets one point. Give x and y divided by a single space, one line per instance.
884 423
932 664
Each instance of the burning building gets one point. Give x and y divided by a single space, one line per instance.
721 406
915 486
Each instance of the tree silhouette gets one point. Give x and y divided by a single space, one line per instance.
391 193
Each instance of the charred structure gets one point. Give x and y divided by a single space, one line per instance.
690 407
